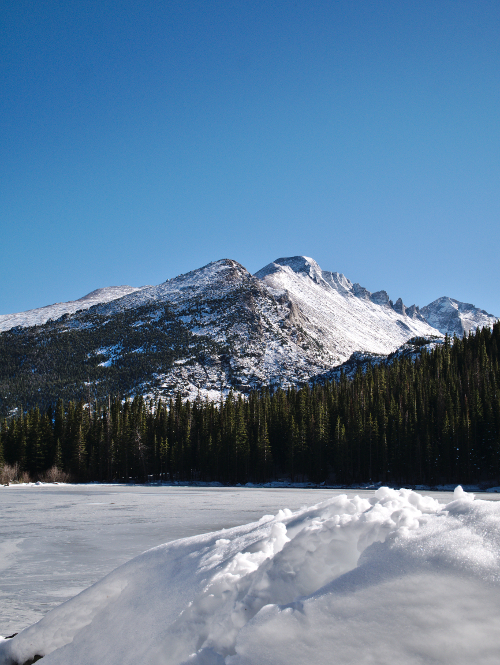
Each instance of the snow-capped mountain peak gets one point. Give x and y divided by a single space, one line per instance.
300 265
307 268
334 318
446 315
456 318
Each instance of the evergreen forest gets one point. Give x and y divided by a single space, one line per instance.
61 358
429 421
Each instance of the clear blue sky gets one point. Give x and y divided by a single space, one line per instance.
144 139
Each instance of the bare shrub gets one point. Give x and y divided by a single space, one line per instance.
9 474
25 477
55 475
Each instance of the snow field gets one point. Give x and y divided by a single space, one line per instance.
395 578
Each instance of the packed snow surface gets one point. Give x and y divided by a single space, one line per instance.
57 540
395 578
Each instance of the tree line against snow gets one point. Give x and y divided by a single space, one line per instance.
432 420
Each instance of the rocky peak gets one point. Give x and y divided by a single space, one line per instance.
399 307
380 298
453 317
338 281
360 292
297 264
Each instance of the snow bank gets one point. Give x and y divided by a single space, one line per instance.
398 578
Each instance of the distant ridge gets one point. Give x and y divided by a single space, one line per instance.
40 315
456 318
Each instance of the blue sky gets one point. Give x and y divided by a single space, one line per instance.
143 140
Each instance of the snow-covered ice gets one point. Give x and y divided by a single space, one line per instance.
56 541
395 577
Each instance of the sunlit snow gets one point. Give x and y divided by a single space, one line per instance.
394 578
39 316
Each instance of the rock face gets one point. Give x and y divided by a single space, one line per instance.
452 317
237 333
212 330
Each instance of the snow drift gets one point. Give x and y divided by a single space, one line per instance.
398 578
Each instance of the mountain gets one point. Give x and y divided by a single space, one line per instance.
339 316
39 316
203 333
456 318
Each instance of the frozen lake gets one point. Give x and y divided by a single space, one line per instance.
57 540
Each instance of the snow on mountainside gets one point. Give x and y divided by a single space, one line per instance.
39 316
215 329
289 322
456 318
241 335
340 316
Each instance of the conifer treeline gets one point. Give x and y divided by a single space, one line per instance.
433 420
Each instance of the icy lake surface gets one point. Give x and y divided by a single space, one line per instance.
55 541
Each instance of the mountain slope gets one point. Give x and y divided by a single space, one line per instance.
39 316
242 335
341 317
212 330
247 331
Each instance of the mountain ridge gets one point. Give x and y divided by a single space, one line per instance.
211 330
446 314
40 315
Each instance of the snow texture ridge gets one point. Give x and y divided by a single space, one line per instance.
396 578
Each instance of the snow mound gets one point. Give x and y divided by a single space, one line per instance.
398 578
